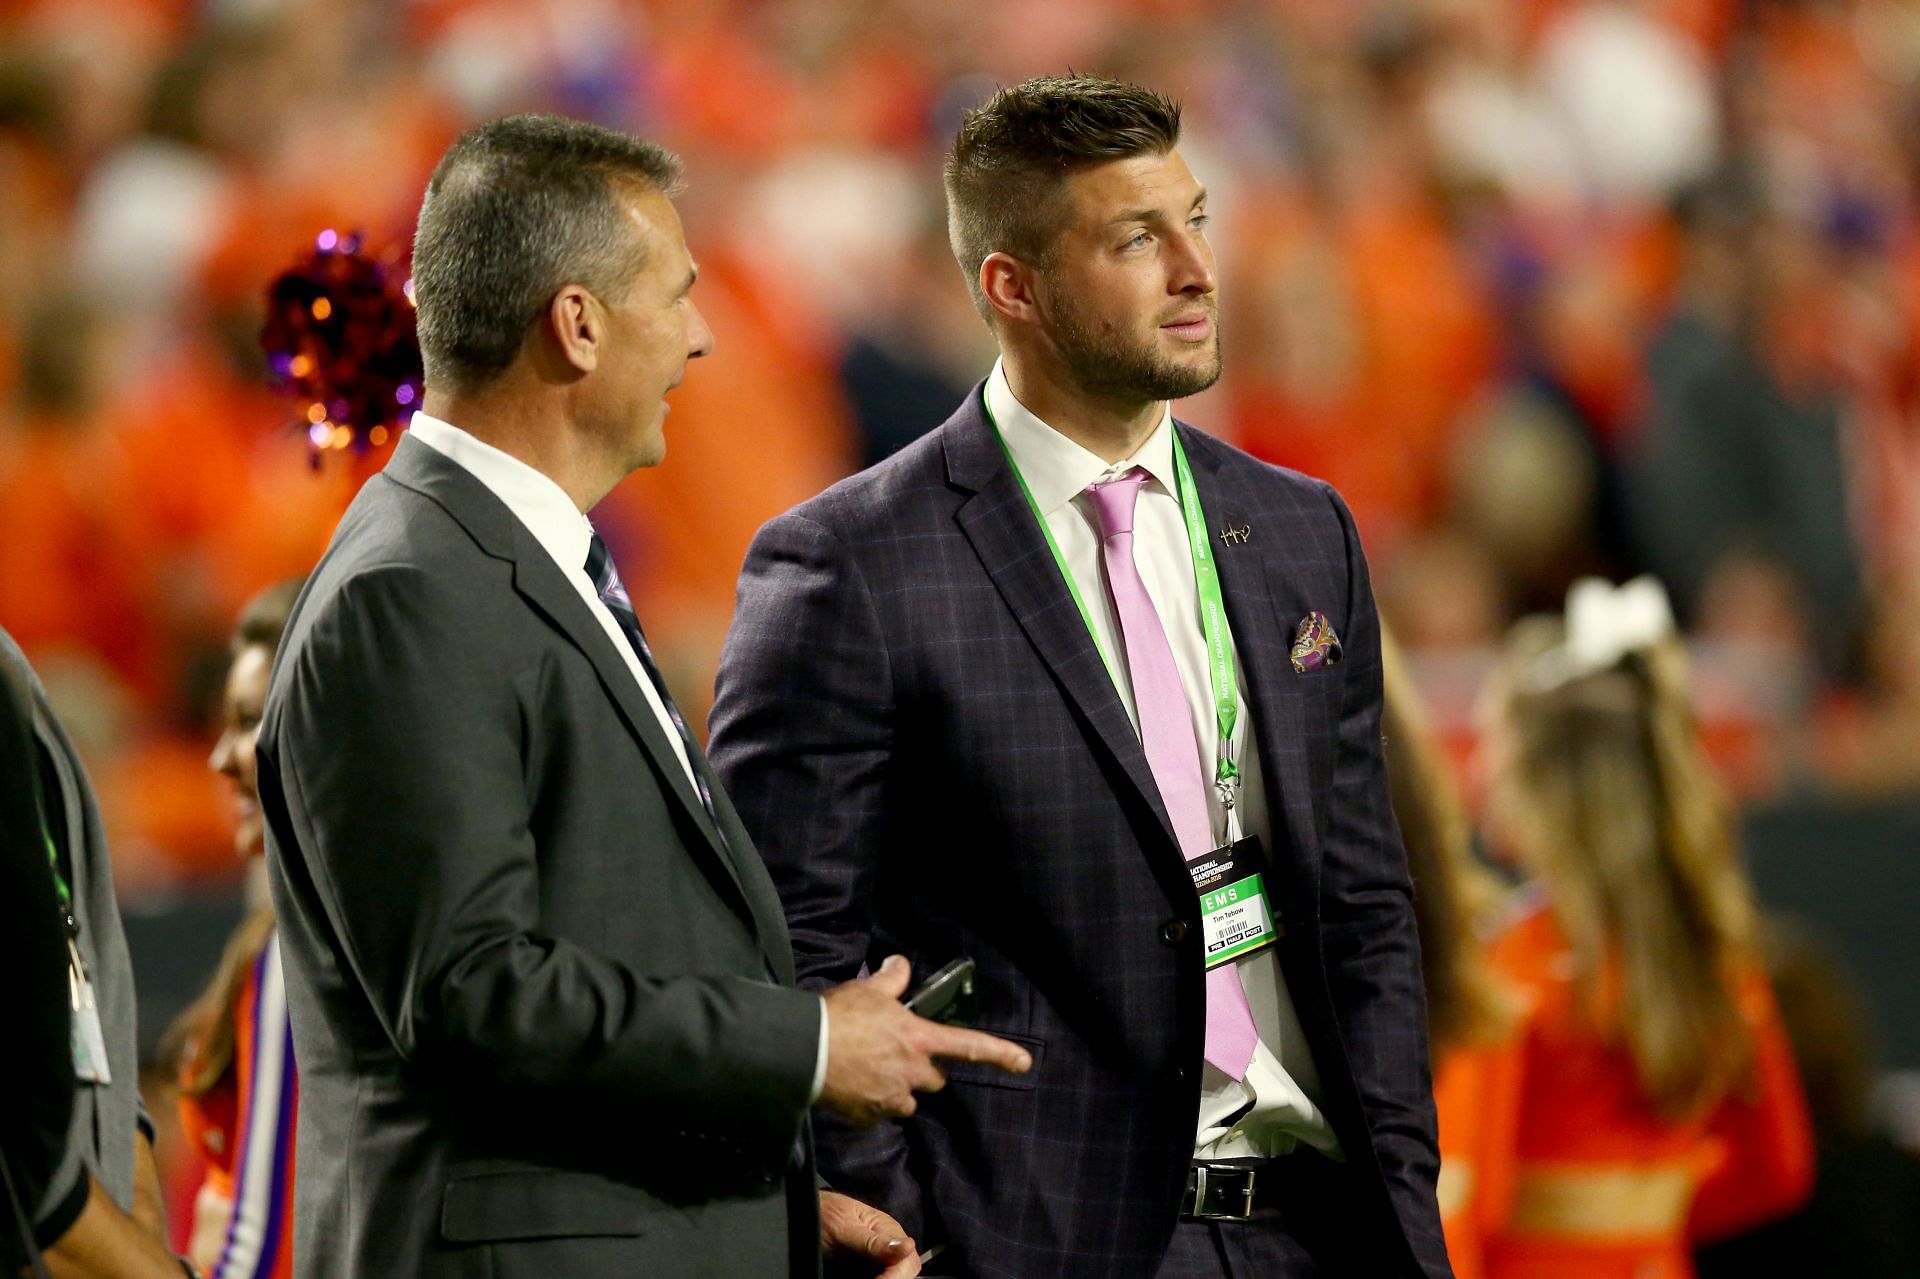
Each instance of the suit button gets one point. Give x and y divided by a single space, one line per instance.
1173 932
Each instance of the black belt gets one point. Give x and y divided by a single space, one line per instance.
1231 1192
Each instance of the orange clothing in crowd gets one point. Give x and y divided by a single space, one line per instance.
1602 1187
1477 1094
1376 337
67 563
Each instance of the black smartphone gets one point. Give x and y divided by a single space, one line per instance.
947 996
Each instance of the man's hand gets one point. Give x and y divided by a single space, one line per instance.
106 1243
149 1205
879 1054
849 1228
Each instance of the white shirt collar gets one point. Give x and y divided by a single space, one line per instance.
1056 468
533 497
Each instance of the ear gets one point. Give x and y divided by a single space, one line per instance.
579 327
1008 285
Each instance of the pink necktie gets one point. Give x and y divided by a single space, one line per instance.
1173 753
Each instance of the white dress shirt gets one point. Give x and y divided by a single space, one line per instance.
566 534
1277 1104
558 525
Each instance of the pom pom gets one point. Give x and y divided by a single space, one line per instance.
340 334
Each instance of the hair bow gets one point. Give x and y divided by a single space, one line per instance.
1604 623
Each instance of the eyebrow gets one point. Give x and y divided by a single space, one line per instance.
1149 215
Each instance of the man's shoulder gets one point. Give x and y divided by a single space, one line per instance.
396 548
1268 488
393 526
1244 468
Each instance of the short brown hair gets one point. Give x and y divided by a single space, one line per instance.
1014 151
517 208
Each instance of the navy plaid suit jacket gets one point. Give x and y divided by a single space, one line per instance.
923 741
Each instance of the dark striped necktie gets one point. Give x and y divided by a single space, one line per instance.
606 581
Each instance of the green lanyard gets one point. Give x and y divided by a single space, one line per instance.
1213 607
59 881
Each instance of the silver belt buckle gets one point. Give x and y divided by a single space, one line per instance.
1200 1212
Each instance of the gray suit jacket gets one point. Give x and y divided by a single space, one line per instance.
543 1012
106 1117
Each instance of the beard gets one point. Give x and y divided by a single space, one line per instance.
1109 363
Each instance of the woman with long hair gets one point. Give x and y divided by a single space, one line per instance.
1472 1012
1659 1102
232 1050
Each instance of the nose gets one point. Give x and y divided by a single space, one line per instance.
222 760
1190 265
699 336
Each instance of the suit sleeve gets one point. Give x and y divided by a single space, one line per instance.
1372 947
802 736
395 753
47 1174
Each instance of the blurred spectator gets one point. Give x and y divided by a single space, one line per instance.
1757 652
232 1050
1864 1216
914 351
1525 488
1743 448
1658 1101
1637 96
1871 746
1444 592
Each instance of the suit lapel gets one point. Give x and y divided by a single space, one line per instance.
1252 579
539 581
999 523
770 920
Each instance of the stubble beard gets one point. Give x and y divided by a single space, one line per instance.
1109 364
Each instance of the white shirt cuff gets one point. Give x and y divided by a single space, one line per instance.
820 1059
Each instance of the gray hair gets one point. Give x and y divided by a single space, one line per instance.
516 209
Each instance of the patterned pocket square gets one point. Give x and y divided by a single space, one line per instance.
1315 646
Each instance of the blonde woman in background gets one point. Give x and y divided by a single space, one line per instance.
1658 1100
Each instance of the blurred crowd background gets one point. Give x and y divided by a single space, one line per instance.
1545 287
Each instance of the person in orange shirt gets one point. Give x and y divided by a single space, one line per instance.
233 1048
1473 1013
1658 1101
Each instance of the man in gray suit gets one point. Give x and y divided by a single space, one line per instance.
541 990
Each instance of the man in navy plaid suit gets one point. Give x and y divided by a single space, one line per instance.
1084 694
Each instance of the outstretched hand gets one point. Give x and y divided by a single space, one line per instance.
879 1054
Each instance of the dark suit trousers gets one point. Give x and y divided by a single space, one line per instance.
1313 1232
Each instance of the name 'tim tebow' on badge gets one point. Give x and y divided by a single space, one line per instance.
1235 919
